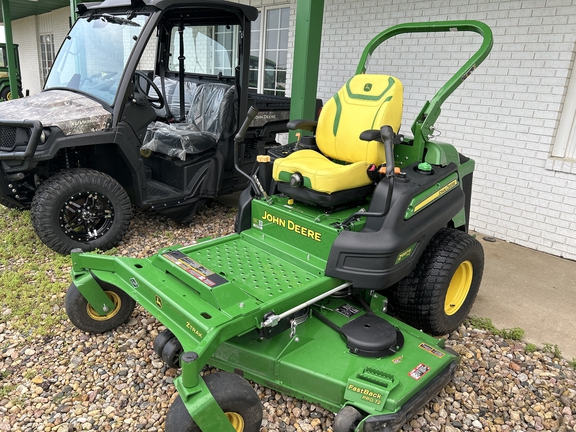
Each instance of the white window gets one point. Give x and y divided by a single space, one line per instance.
565 142
46 54
269 51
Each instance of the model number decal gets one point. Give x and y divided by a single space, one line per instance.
292 226
367 395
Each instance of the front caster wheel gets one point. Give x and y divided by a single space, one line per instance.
161 340
171 353
235 396
84 317
347 419
439 293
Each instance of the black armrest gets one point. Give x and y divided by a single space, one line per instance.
307 125
371 135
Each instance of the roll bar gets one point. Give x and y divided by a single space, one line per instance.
422 126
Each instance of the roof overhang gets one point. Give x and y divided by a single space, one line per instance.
24 8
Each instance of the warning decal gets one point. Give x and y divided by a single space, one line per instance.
347 310
419 371
194 268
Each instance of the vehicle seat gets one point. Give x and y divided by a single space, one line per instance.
338 173
211 118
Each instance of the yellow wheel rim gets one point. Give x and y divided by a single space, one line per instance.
236 420
115 298
458 288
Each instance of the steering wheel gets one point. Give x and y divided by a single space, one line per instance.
155 102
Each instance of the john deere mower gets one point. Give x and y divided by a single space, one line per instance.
351 249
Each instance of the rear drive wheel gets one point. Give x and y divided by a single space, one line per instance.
80 208
85 318
439 293
235 396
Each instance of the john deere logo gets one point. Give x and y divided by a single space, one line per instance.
159 302
367 87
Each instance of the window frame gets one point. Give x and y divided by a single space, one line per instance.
44 60
262 48
564 145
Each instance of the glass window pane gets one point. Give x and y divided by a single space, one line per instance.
283 42
285 18
273 18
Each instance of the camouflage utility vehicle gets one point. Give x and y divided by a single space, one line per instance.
140 108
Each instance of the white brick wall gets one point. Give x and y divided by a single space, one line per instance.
26 33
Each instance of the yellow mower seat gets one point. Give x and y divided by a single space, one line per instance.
364 102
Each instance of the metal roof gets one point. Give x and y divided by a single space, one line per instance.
23 8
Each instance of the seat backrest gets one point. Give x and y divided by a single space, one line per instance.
212 110
172 95
365 102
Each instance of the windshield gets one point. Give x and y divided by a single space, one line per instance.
94 54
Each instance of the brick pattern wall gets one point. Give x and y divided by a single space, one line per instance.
26 33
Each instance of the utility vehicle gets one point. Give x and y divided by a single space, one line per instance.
140 108
335 231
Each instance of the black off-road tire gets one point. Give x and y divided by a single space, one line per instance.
235 396
347 419
80 208
438 294
85 318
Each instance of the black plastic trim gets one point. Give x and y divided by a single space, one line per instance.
394 422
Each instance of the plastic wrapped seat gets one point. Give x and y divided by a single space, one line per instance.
211 118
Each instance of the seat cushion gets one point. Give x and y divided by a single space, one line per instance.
320 173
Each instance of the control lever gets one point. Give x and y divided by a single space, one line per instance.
252 113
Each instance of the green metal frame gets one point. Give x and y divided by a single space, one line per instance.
10 57
422 128
307 43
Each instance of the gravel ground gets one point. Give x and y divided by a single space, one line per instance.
73 381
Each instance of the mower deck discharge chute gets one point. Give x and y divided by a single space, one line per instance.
297 298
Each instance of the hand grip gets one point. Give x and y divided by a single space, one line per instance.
252 113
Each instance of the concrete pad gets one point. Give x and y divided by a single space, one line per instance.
532 290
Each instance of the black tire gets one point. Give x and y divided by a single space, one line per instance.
439 293
235 396
347 419
80 208
84 317
160 340
171 353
